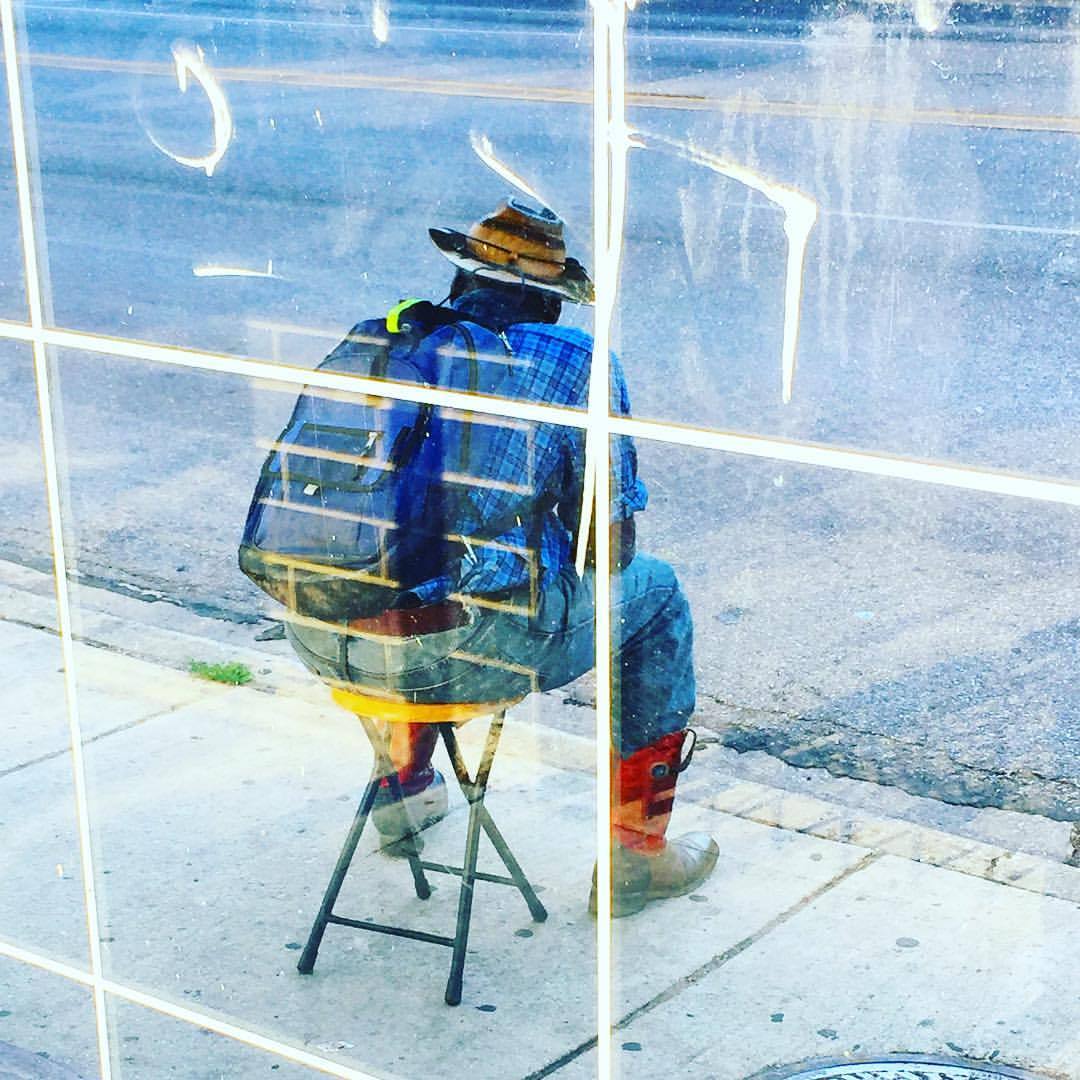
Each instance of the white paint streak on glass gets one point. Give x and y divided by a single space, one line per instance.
799 218
800 214
216 270
190 61
484 150
931 14
841 52
380 21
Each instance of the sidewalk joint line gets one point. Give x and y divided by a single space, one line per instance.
53 754
29 624
565 1059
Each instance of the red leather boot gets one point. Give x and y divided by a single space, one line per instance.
645 864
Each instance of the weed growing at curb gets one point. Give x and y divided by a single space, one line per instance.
234 674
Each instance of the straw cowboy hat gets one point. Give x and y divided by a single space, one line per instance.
521 245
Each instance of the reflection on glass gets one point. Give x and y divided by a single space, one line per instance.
886 753
24 525
12 280
875 848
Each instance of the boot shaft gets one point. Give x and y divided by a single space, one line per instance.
643 792
411 747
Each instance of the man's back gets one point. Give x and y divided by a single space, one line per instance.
529 476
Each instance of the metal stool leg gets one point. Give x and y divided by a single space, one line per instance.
536 909
410 844
383 763
382 766
479 818
465 899
307 958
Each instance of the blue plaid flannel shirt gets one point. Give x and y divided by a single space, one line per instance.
534 472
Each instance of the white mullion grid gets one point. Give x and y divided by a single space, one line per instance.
35 303
888 466
41 339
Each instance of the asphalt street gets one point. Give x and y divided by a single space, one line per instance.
882 629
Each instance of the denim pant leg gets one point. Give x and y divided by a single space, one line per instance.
653 686
501 656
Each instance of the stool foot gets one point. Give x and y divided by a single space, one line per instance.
465 899
306 963
420 881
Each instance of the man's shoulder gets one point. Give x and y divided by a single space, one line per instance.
550 334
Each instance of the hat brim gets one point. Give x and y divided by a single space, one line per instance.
573 283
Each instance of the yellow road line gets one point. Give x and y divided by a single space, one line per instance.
648 99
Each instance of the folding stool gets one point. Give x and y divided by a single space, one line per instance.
474 788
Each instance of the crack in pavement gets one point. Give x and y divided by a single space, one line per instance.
54 754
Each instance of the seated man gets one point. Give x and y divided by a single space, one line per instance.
494 626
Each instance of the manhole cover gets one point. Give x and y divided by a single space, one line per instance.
909 1069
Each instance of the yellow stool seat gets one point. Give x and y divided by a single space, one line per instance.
405 712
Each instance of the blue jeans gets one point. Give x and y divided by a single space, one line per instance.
500 655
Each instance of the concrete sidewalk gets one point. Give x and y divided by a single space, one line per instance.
217 813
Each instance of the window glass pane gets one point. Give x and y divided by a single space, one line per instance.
39 857
885 758
939 151
12 281
341 138
218 810
46 1024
